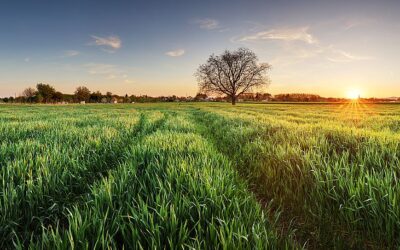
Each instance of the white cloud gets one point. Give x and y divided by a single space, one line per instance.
208 23
285 34
71 53
112 42
175 53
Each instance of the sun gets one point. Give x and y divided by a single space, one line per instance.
353 94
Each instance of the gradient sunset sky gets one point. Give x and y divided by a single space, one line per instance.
155 47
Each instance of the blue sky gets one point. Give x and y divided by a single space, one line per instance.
154 47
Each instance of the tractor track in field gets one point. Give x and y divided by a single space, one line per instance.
283 228
294 224
77 191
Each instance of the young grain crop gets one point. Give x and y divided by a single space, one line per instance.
144 179
186 176
337 176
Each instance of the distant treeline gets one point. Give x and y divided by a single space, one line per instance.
45 93
301 97
304 97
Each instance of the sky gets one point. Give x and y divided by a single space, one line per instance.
154 47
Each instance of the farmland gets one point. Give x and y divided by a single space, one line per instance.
201 175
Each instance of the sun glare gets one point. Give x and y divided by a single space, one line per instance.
353 94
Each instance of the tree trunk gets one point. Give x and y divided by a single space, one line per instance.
233 99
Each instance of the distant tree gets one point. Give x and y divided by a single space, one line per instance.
28 94
232 73
82 94
133 98
166 99
263 96
68 98
96 97
38 98
114 99
46 91
58 97
298 97
127 99
200 97
109 96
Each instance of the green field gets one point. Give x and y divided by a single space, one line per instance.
206 175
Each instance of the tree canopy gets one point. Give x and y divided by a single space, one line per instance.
45 91
82 94
232 73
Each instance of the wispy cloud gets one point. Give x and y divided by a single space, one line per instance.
284 34
102 69
298 44
292 54
207 23
175 53
127 80
71 53
108 71
27 59
112 43
336 55
357 22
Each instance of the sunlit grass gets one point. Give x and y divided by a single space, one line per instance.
204 175
117 177
334 170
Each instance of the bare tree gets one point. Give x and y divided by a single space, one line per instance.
29 92
232 73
